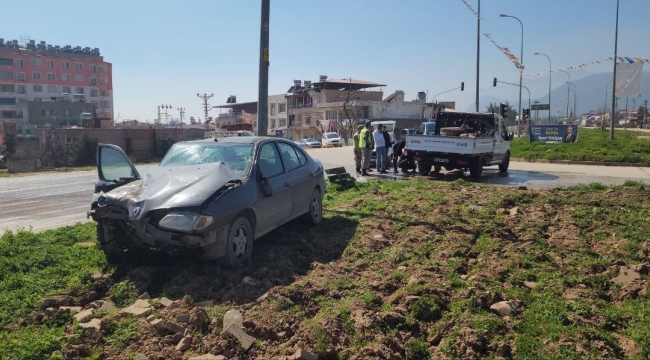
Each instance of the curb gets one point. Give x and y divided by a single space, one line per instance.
573 162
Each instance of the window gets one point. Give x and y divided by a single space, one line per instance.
103 93
37 88
36 75
93 68
272 123
93 81
79 90
7 61
51 88
94 93
282 123
331 115
51 76
301 157
36 62
6 75
307 120
79 78
78 66
289 157
7 88
272 109
65 65
65 89
7 101
104 104
50 63
102 69
65 77
269 161
20 76
20 63
102 81
21 89
282 108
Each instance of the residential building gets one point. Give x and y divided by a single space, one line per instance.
35 72
237 114
335 104
277 111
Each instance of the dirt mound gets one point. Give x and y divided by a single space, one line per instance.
404 271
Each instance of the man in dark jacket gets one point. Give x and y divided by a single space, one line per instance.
397 152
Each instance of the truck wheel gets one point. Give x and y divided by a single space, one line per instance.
503 167
476 167
424 168
437 168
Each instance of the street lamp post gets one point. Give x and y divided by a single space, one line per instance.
182 112
166 115
549 85
611 129
521 59
567 94
574 94
602 123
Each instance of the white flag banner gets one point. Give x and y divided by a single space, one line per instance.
628 79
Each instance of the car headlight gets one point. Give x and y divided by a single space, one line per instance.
185 221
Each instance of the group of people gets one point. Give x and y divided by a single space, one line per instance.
366 139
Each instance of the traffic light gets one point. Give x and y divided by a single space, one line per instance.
503 110
462 86
494 82
526 113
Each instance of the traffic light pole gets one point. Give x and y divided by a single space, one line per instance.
494 84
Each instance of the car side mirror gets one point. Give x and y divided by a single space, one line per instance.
267 190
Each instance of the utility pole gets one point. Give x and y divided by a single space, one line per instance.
645 111
611 128
205 98
157 122
263 96
478 51
182 112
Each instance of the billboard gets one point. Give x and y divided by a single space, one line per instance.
553 133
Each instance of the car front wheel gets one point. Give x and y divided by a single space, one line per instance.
240 244
315 213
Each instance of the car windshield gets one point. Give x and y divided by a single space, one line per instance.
310 140
236 156
331 136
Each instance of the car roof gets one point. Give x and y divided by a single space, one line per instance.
235 140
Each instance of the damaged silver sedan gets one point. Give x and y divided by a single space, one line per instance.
212 197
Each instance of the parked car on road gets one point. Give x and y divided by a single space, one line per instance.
309 143
211 197
332 139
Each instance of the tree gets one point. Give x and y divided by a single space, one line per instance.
51 151
642 111
11 145
84 152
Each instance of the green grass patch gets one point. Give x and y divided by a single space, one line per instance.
592 145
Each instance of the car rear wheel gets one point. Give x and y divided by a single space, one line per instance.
424 168
314 215
240 244
476 167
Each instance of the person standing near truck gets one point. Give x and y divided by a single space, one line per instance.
366 144
380 146
357 149
387 145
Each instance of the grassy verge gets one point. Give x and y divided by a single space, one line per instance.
396 270
592 145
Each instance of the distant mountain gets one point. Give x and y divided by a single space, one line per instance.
591 96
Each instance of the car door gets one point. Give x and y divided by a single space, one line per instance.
113 168
501 144
275 209
301 181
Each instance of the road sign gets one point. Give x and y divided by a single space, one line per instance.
539 107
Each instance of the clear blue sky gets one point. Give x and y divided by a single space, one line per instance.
164 52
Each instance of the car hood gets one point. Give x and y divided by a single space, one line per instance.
171 187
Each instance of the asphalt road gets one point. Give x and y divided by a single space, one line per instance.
49 200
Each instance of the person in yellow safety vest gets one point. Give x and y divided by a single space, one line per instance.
357 150
366 144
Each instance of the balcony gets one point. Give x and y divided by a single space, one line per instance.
301 106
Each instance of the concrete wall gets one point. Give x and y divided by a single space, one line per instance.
16 166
